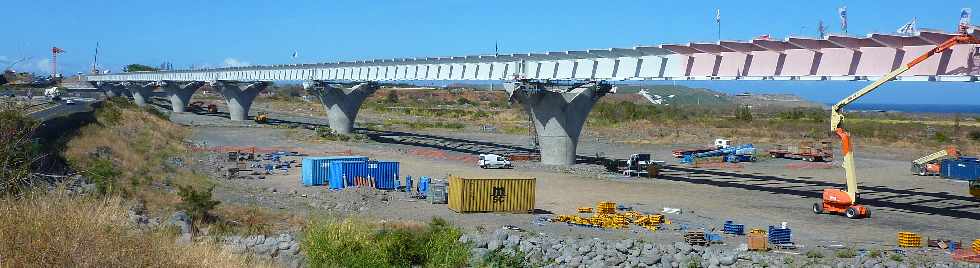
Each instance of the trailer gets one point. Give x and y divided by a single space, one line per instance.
806 151
731 154
719 144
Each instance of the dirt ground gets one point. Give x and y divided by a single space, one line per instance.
758 194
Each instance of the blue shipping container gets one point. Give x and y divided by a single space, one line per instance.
423 187
315 170
385 174
343 173
963 168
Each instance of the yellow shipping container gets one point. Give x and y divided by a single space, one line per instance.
491 194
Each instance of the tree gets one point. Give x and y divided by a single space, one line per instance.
139 68
196 203
743 113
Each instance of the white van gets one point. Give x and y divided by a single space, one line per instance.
493 161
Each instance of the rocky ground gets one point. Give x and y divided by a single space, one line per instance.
756 194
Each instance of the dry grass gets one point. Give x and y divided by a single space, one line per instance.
57 230
142 148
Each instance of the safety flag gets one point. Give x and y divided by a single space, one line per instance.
842 11
908 28
718 15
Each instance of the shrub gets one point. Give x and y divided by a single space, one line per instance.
352 243
974 135
18 150
196 203
846 253
743 113
896 257
498 258
391 98
59 230
940 137
814 254
103 174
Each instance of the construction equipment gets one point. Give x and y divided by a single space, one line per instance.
200 106
929 165
638 165
845 201
975 188
805 151
731 154
262 118
54 61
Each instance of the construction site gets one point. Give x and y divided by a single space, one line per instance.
298 171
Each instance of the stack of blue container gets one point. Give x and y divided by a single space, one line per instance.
316 170
343 171
779 236
384 173
731 228
963 168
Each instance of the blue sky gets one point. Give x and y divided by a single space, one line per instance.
220 33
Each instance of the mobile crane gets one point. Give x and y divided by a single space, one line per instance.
844 202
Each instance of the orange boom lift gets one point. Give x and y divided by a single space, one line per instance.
844 202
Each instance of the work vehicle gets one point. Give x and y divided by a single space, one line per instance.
54 93
805 151
493 161
929 165
200 106
844 202
638 165
262 118
69 102
719 144
975 188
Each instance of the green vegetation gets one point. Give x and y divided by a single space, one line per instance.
18 150
814 254
497 258
846 253
139 68
197 203
896 257
353 243
743 113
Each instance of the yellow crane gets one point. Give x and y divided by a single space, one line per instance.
844 202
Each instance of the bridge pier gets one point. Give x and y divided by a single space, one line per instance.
559 113
111 90
238 96
140 91
180 94
341 104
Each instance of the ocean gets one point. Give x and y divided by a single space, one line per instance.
916 108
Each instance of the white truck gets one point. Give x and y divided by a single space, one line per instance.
493 161
54 93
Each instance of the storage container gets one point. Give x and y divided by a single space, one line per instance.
315 170
424 185
757 242
438 192
780 236
963 168
385 174
344 173
491 194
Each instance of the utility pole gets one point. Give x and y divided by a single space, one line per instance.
718 21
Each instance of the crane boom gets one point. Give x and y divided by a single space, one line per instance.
839 201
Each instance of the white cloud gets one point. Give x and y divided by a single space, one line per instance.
42 66
233 62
